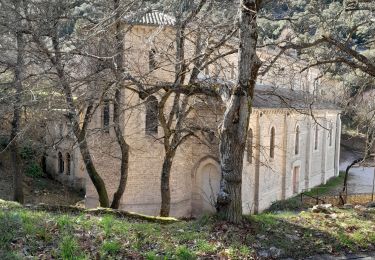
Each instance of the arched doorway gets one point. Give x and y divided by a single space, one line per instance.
206 187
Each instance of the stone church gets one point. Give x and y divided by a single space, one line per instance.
293 140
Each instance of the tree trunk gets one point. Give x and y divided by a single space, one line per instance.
123 176
165 189
93 174
82 141
344 191
124 152
80 134
233 130
18 72
117 110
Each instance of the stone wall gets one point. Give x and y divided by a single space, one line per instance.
265 179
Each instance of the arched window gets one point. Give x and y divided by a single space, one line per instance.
296 142
152 115
68 160
106 115
330 134
316 140
250 146
272 143
60 163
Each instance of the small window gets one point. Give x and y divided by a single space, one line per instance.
60 163
316 140
106 116
152 116
152 59
68 161
250 146
272 143
61 130
296 142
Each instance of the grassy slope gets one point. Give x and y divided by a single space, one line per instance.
84 235
332 187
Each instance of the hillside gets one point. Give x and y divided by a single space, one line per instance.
71 233
37 190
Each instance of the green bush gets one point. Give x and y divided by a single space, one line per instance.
111 247
152 256
11 224
69 248
184 253
292 204
3 142
27 152
34 170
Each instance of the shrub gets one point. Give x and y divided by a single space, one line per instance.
111 247
34 170
69 248
11 224
3 142
292 204
107 223
183 253
152 256
27 152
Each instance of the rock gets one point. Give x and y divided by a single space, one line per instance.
264 254
276 252
360 207
371 204
224 227
292 237
261 237
348 206
322 208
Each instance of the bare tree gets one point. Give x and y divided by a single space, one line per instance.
44 22
233 130
119 72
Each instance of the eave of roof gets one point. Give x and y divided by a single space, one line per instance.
154 18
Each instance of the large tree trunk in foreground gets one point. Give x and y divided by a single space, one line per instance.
233 130
16 162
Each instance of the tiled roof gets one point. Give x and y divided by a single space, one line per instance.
153 18
267 96
278 97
